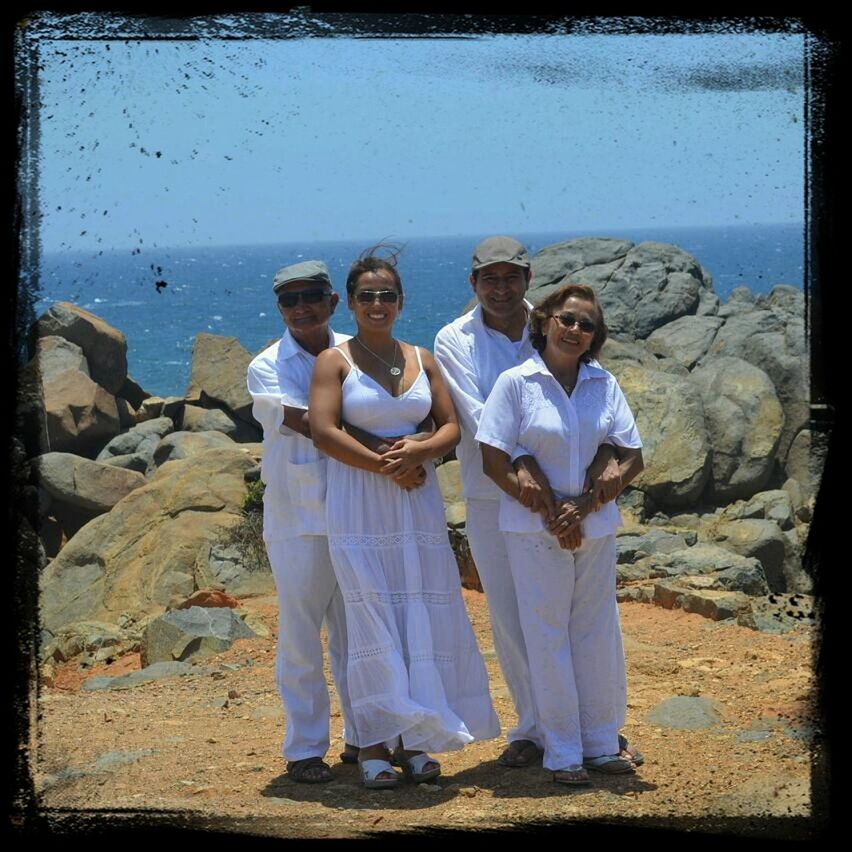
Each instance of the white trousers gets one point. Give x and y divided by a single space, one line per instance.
307 595
492 564
569 616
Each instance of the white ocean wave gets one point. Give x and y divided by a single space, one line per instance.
217 318
100 301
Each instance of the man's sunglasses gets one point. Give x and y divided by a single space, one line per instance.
309 297
569 320
367 297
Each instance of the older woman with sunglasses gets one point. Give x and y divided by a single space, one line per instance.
416 679
560 405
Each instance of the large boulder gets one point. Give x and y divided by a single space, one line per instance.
84 483
670 417
133 392
640 287
773 339
81 416
136 557
637 351
219 366
55 355
762 540
744 420
105 347
194 632
685 339
182 445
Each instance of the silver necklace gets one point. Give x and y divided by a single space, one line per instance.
392 368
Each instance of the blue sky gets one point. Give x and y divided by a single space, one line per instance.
213 142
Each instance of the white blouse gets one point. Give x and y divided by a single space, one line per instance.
292 469
528 407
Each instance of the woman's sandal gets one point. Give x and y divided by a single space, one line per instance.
371 770
573 776
519 754
412 767
609 764
311 770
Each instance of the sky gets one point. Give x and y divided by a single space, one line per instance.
218 142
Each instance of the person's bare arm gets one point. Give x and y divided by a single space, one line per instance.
535 492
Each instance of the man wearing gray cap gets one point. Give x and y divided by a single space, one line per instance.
294 525
473 351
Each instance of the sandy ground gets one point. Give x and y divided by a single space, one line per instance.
163 750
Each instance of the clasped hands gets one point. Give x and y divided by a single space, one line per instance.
402 460
563 517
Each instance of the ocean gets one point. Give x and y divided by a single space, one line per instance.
227 289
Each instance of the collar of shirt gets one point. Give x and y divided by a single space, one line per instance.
288 347
535 364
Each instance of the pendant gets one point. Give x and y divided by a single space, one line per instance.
395 371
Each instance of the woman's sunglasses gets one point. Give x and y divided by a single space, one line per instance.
309 297
569 320
367 297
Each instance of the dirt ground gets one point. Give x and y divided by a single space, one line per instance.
169 750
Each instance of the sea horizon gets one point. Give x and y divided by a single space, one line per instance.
226 290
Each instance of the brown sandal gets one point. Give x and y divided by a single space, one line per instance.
520 754
311 770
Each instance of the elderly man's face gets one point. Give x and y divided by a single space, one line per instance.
314 304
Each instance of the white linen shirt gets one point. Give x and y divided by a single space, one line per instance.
293 469
528 407
471 356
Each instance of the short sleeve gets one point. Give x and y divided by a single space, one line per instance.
262 382
622 431
456 364
499 424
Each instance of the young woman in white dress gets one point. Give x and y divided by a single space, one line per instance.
417 681
560 405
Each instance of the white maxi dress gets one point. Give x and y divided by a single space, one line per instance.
414 669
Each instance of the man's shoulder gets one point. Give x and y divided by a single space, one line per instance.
457 330
265 359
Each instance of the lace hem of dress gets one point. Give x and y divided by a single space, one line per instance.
356 596
418 657
424 539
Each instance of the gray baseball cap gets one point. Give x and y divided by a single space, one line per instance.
499 250
308 270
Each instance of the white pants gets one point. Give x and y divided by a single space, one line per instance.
307 594
567 607
488 549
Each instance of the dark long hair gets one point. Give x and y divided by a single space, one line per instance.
369 261
545 309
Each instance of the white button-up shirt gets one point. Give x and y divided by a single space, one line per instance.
472 356
292 469
528 407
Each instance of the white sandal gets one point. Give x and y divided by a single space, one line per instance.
370 771
412 767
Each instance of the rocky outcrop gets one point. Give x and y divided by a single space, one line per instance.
772 337
136 557
744 421
80 415
219 366
686 340
84 484
105 347
670 417
641 287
